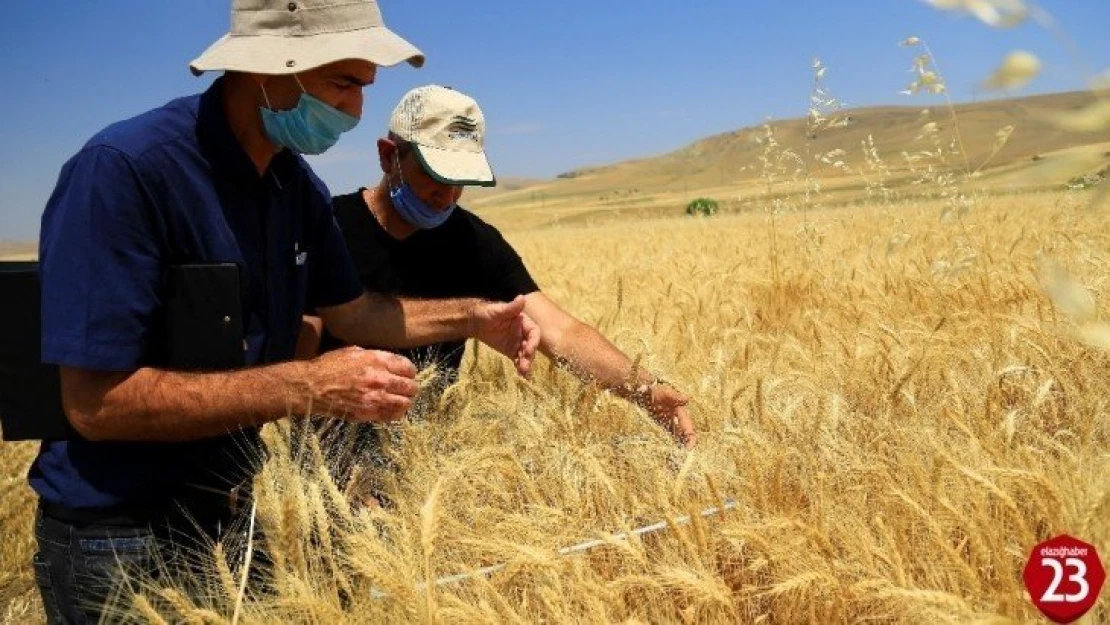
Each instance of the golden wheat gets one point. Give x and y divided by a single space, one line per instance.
895 439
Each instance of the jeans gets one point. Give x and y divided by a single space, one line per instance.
78 564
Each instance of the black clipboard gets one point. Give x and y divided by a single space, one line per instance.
202 331
204 318
30 394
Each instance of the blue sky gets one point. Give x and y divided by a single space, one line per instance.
563 84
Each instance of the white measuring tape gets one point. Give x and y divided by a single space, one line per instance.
728 504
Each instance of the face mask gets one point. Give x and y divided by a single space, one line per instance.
310 128
414 210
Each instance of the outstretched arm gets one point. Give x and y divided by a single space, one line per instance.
400 323
587 353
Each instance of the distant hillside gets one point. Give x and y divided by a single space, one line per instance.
893 128
728 163
10 250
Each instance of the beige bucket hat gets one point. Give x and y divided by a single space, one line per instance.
448 132
289 36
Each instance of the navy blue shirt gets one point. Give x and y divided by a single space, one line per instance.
173 186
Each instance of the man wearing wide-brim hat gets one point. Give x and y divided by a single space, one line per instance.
215 183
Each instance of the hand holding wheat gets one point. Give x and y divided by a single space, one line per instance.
668 406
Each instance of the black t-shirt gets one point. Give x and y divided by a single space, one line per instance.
464 257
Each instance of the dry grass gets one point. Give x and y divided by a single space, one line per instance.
19 601
898 411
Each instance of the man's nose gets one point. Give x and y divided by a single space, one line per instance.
446 195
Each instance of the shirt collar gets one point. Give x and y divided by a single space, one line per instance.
222 149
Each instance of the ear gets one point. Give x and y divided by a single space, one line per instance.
386 150
257 86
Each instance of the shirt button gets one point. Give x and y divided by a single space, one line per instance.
292 6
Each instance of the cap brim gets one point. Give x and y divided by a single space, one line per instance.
276 55
456 167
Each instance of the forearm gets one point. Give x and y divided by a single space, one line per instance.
382 321
157 405
590 355
587 353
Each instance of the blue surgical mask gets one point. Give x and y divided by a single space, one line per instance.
414 210
310 128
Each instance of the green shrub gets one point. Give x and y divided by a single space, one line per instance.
702 206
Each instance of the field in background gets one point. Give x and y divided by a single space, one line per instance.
897 409
1037 156
727 167
18 251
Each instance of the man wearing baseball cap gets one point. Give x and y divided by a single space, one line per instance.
210 192
409 237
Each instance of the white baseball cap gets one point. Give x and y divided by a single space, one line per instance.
448 133
288 36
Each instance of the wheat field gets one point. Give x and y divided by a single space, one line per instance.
885 393
897 360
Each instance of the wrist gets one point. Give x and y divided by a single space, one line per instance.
642 390
298 386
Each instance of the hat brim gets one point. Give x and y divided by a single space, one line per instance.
456 167
278 55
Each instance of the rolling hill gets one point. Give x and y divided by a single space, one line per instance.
727 166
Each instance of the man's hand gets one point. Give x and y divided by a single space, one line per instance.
668 406
505 327
362 385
